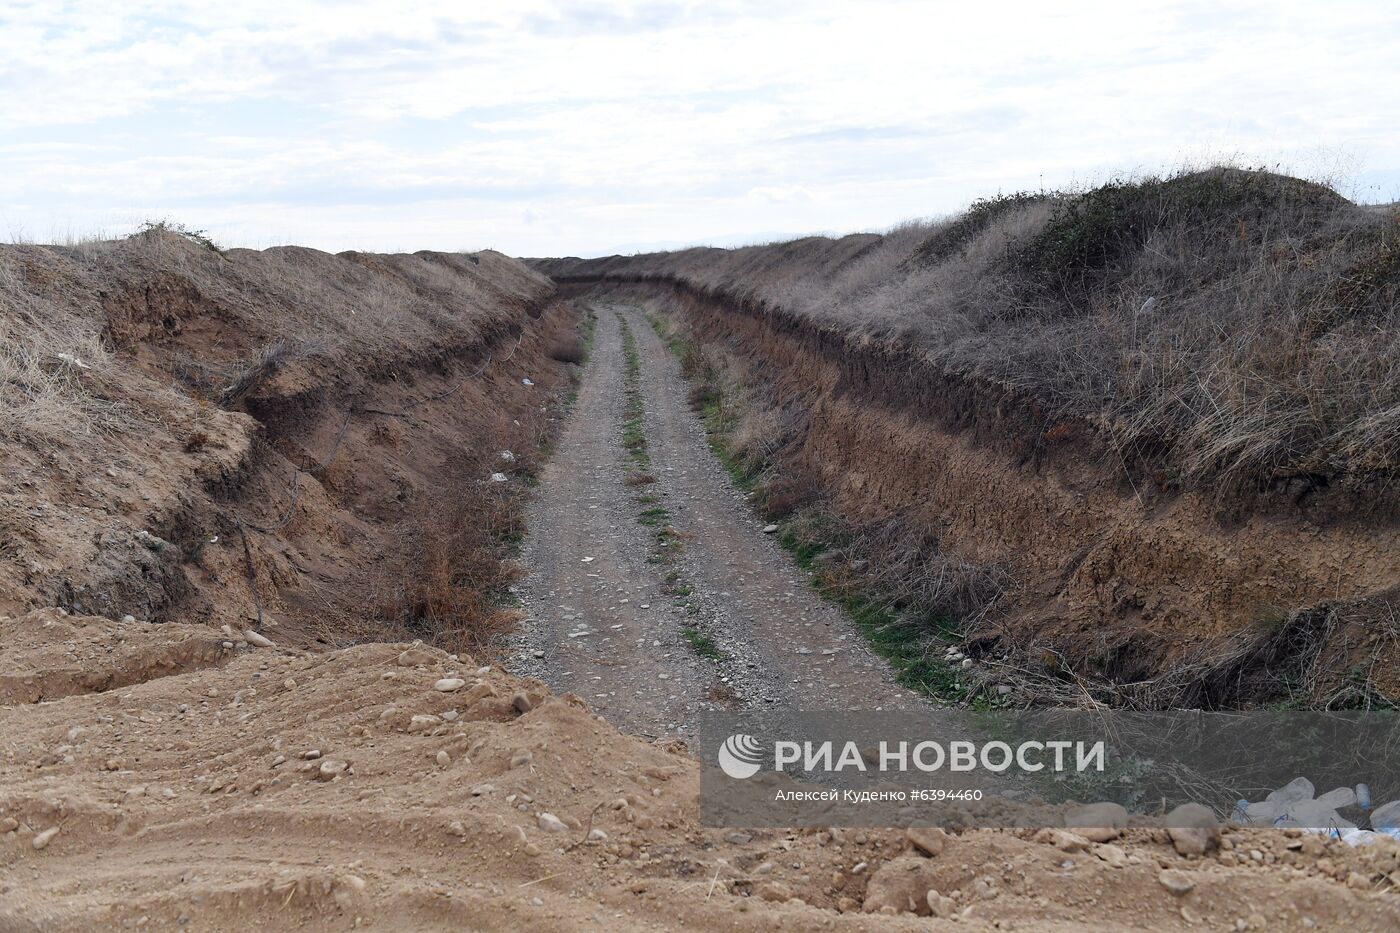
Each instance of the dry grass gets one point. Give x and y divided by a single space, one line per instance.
1234 328
64 310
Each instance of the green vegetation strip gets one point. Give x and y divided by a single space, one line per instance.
667 544
914 655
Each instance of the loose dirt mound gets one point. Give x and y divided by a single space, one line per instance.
356 788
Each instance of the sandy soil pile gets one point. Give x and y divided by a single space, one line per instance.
175 778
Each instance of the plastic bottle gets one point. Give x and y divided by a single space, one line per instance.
1338 798
1300 788
1363 797
1240 816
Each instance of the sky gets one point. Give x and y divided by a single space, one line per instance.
547 129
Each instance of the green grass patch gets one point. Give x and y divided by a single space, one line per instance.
703 644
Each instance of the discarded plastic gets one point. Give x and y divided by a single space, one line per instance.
1336 799
1363 796
1300 788
1386 819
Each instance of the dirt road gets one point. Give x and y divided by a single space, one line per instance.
605 622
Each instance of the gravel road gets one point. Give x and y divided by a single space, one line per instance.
600 620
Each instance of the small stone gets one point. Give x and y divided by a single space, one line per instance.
482 789
1098 822
940 906
413 657
45 837
311 754
769 529
449 684
256 639
1062 839
331 769
552 824
927 839
1111 854
521 759
443 759
1177 882
597 835
521 703
456 828
775 892
1193 829
128 620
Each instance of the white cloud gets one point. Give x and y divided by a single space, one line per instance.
547 128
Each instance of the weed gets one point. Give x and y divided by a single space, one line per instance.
703 644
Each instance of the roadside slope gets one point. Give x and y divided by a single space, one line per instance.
1117 500
165 401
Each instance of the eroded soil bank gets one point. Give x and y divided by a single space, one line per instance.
1159 598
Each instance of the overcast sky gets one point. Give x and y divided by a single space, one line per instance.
590 128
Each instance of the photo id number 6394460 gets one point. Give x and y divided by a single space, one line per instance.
942 793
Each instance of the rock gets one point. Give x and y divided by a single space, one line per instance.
940 906
311 754
1062 839
775 892
597 835
128 620
43 839
901 885
449 684
257 639
1111 854
413 657
443 759
738 839
455 828
9 824
478 692
521 759
966 663
927 839
769 529
1177 882
422 722
331 769
482 789
1098 822
521 703
499 477
1193 829
552 824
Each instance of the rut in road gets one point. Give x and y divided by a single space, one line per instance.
603 621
